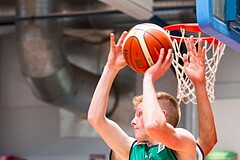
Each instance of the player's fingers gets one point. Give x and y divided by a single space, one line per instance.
193 48
168 59
161 55
200 47
187 44
121 39
203 53
185 60
189 47
112 40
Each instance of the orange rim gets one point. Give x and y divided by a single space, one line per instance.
190 27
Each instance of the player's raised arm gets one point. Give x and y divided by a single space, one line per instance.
194 65
111 133
155 114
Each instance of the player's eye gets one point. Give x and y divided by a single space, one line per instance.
139 113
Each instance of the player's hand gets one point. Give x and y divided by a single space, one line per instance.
194 61
115 58
161 66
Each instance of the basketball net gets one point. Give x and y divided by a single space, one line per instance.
214 51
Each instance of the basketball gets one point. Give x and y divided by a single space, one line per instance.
142 45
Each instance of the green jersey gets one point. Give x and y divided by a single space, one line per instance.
141 151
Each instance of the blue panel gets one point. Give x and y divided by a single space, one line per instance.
231 10
217 28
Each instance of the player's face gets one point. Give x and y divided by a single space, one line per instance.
138 124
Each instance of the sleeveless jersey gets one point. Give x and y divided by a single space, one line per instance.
200 155
141 151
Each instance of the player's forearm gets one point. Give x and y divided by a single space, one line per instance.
153 116
99 102
207 131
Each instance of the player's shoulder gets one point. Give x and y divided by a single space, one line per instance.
114 156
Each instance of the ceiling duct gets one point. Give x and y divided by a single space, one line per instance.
43 62
50 76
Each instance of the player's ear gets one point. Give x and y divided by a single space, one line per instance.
164 112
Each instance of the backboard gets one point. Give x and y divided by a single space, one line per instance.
220 19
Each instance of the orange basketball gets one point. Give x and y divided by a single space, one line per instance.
142 45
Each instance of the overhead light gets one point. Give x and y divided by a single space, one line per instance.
139 9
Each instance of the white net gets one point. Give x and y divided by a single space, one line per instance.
214 52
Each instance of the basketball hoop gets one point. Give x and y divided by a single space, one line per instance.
214 51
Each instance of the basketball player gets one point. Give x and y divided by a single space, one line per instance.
207 131
175 142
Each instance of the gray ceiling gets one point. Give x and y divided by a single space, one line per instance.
63 44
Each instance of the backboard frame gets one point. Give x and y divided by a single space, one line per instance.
224 27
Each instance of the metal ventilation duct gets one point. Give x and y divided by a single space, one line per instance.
43 62
50 76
